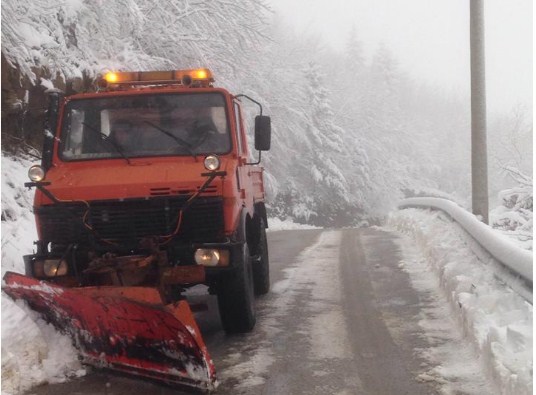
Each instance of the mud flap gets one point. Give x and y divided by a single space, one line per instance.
128 329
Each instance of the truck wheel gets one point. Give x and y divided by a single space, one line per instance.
236 299
261 263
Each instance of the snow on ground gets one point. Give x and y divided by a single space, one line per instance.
501 247
310 275
18 223
32 353
451 363
275 224
493 317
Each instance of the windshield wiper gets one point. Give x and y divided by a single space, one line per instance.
105 138
180 141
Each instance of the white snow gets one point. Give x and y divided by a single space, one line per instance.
324 283
496 319
503 248
18 223
251 372
275 224
32 352
311 274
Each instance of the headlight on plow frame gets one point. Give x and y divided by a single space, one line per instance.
50 268
211 257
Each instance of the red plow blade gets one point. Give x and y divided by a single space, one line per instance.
123 328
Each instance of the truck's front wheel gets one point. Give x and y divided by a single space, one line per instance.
236 299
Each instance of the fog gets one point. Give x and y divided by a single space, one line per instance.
430 39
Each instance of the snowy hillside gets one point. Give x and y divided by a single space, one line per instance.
355 141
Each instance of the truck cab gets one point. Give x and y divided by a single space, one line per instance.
148 182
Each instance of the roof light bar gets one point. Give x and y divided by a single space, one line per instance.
190 78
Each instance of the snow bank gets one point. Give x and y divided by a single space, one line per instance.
32 352
275 224
18 224
494 318
503 248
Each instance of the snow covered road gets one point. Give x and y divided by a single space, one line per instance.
345 316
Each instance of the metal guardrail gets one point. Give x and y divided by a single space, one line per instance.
505 251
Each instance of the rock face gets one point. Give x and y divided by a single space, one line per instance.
23 107
24 103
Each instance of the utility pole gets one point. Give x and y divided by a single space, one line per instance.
479 162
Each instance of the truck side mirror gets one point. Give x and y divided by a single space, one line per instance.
263 132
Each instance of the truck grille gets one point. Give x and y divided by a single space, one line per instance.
131 220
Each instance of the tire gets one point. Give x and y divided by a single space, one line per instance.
261 263
236 299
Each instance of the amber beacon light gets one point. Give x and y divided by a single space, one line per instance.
193 78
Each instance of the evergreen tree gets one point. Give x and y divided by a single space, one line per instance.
354 58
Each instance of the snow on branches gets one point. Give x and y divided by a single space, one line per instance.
77 37
514 215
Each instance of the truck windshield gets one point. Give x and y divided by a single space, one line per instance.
145 125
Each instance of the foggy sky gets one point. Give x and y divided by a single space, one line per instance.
430 38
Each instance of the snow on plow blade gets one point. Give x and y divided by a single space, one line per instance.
127 329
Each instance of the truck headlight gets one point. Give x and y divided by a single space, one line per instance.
212 163
50 268
36 173
211 257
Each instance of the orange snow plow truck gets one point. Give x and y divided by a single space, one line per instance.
146 189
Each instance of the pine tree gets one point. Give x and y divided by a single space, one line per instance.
354 58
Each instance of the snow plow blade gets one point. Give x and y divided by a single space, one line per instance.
127 329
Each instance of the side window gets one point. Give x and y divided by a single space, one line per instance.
239 130
74 143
